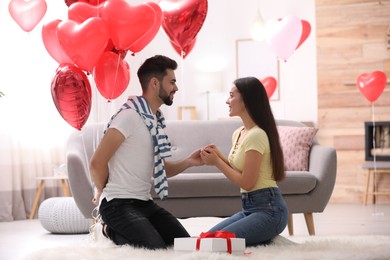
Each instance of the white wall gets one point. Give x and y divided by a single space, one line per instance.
25 62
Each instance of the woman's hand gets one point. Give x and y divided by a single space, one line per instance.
209 155
215 149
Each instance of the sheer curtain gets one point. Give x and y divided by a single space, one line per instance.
32 133
32 138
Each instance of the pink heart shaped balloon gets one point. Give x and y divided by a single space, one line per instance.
27 13
51 43
84 43
127 23
371 85
283 35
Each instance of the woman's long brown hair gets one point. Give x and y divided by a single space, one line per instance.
256 102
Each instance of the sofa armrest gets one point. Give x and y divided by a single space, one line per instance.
323 165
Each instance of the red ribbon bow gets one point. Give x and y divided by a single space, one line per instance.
217 234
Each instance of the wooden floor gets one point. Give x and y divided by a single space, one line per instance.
19 238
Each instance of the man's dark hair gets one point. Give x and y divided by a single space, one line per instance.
155 66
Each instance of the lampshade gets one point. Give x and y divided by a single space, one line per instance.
258 29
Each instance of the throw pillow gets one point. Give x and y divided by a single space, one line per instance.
296 143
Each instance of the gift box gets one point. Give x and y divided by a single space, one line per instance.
210 242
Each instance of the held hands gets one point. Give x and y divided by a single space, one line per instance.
195 159
210 154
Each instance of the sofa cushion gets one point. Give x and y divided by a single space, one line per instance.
192 185
217 185
296 143
297 182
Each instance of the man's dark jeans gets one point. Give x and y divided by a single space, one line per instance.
140 223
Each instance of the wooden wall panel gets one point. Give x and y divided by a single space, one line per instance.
351 40
349 142
335 99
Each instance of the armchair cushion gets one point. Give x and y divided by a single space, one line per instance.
298 182
296 143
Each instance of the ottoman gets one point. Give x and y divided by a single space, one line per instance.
62 216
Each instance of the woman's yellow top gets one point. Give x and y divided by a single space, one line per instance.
255 139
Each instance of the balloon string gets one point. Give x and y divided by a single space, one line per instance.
373 129
116 75
94 146
287 88
182 77
95 108
94 120
374 154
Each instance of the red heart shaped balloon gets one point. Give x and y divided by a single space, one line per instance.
71 94
80 11
269 84
141 43
127 23
183 52
51 43
182 20
27 14
306 29
371 85
84 43
112 75
110 47
91 2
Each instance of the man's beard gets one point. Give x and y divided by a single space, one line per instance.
165 97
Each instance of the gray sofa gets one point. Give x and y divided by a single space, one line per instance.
204 191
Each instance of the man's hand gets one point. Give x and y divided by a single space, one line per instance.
96 198
195 159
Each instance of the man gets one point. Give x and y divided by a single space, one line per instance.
131 152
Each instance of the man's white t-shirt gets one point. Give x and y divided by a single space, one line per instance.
131 167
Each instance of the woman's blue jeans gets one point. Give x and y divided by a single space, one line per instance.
140 223
264 216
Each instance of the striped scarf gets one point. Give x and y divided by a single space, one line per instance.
162 146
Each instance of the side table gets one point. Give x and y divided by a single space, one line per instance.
65 189
375 168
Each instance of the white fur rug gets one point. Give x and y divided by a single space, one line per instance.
351 247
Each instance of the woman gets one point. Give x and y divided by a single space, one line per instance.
255 164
